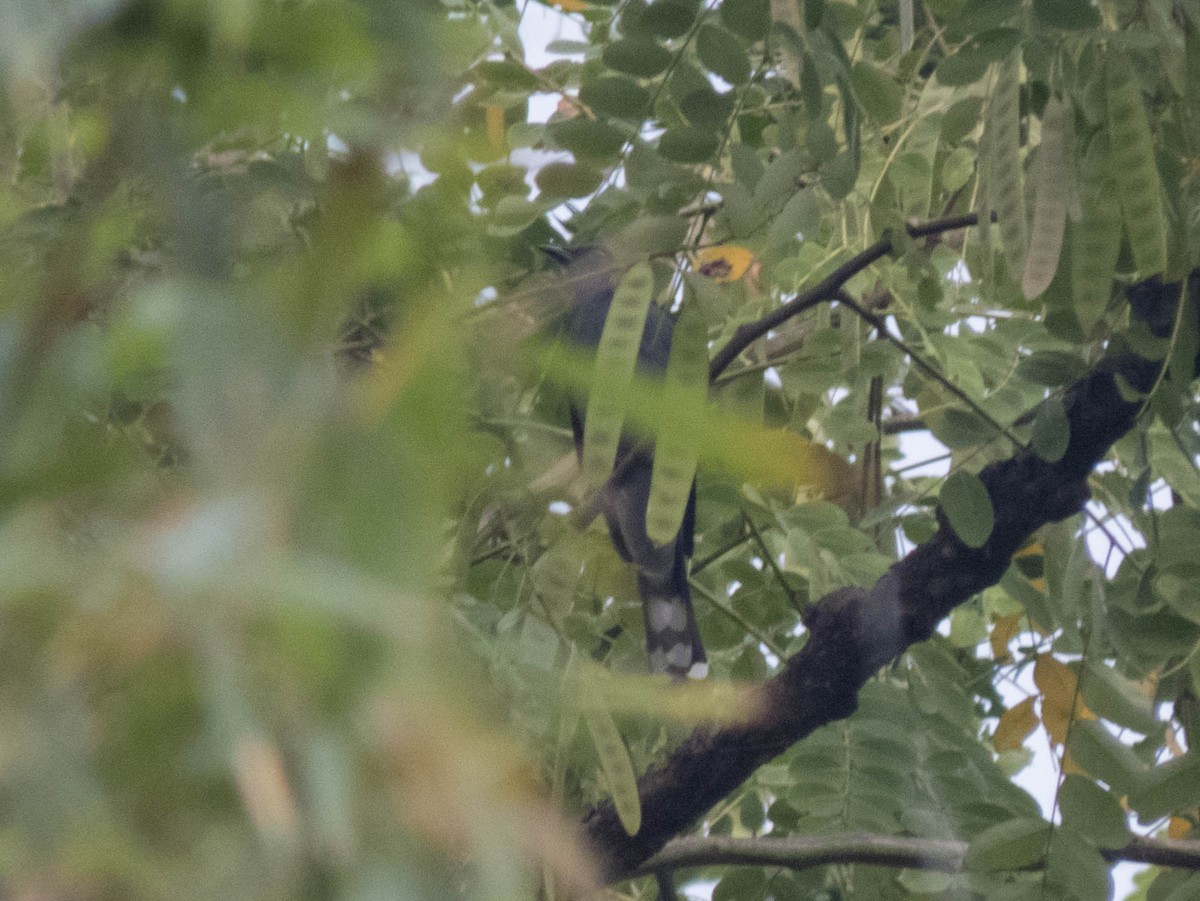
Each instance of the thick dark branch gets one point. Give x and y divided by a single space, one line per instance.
941 855
827 289
853 631
898 425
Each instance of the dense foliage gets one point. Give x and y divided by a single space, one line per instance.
298 597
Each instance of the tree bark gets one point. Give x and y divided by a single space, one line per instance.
855 631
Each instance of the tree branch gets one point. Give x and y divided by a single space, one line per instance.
854 631
940 855
825 290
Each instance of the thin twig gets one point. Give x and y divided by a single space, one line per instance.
751 630
826 289
769 558
847 301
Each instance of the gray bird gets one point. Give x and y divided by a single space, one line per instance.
672 637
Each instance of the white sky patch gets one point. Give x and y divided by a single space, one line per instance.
541 25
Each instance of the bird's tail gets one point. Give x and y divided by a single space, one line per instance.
672 636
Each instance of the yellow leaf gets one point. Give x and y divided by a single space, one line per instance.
1178 828
1061 702
1173 745
495 127
569 6
1070 767
1003 631
1015 725
723 263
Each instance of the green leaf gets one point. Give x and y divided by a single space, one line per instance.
878 92
1103 755
968 628
588 138
675 449
970 61
687 144
637 56
1180 588
669 18
568 179
749 18
1051 368
652 235
706 108
512 215
1010 845
923 883
1069 15
838 175
961 119
982 15
1076 869
616 765
1172 787
1092 812
1118 699
615 95
968 508
722 54
740 884
1051 431
957 168
616 357
957 428
506 74
800 217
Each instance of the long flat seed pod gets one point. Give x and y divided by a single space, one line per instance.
1096 239
1134 169
675 451
1052 177
1006 188
983 176
616 357
615 764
